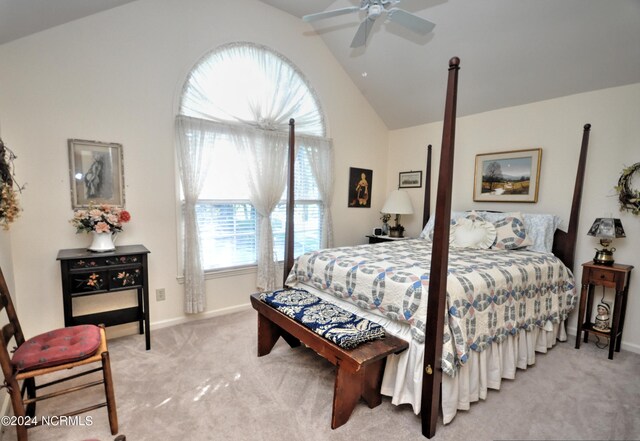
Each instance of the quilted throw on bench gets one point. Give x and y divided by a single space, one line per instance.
343 328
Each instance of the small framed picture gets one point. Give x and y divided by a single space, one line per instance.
410 179
96 173
360 182
512 176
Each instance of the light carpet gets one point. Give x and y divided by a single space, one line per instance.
203 381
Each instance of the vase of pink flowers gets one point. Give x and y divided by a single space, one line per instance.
103 222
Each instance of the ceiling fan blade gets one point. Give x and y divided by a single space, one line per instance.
329 14
410 21
360 39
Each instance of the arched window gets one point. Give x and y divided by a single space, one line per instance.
232 139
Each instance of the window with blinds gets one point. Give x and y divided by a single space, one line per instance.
239 88
228 222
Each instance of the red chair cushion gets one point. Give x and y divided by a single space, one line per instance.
64 345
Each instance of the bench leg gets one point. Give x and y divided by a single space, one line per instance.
350 386
268 334
373 383
346 394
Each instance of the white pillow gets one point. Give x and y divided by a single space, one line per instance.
467 233
541 228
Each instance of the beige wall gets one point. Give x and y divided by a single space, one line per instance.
556 126
116 77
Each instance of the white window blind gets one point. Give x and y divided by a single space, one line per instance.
227 220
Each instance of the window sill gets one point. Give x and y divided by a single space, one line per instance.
226 272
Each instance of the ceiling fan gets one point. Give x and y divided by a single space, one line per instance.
374 9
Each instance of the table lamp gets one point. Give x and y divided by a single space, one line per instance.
606 229
398 202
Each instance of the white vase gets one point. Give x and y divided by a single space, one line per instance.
102 242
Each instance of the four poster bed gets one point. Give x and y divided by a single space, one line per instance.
489 317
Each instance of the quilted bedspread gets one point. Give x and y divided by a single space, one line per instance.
490 293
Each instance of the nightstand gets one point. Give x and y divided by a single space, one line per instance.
615 276
378 239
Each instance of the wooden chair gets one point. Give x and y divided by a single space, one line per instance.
54 351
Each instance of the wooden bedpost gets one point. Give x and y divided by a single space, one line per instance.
564 244
426 210
288 235
432 374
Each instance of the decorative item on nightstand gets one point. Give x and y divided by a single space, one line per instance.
385 224
602 319
606 229
397 203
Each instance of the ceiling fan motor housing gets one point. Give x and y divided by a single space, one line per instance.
374 11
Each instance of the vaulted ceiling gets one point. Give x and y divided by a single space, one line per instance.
19 18
512 52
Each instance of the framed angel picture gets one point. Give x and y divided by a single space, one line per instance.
360 182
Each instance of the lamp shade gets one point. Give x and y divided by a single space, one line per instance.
607 228
398 202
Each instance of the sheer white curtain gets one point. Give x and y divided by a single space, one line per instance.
250 92
194 142
321 160
252 86
266 156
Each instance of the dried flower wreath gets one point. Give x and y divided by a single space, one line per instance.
9 206
629 197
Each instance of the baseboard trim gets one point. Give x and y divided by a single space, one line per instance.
201 316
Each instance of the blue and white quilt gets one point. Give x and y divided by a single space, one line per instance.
490 293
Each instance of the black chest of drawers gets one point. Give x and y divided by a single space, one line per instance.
85 273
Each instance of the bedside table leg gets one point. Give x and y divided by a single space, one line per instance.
614 342
587 319
625 296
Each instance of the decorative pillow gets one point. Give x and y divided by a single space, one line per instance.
540 227
469 233
474 216
511 233
427 231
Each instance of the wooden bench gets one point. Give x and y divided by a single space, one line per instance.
359 370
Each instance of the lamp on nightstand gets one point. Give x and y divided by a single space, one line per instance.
398 202
606 229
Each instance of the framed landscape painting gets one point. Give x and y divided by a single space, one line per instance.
410 179
512 176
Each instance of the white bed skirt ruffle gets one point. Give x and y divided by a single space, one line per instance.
484 370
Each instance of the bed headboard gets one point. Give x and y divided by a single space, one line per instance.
564 243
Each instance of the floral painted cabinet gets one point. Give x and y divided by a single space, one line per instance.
86 273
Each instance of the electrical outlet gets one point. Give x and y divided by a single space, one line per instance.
160 294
